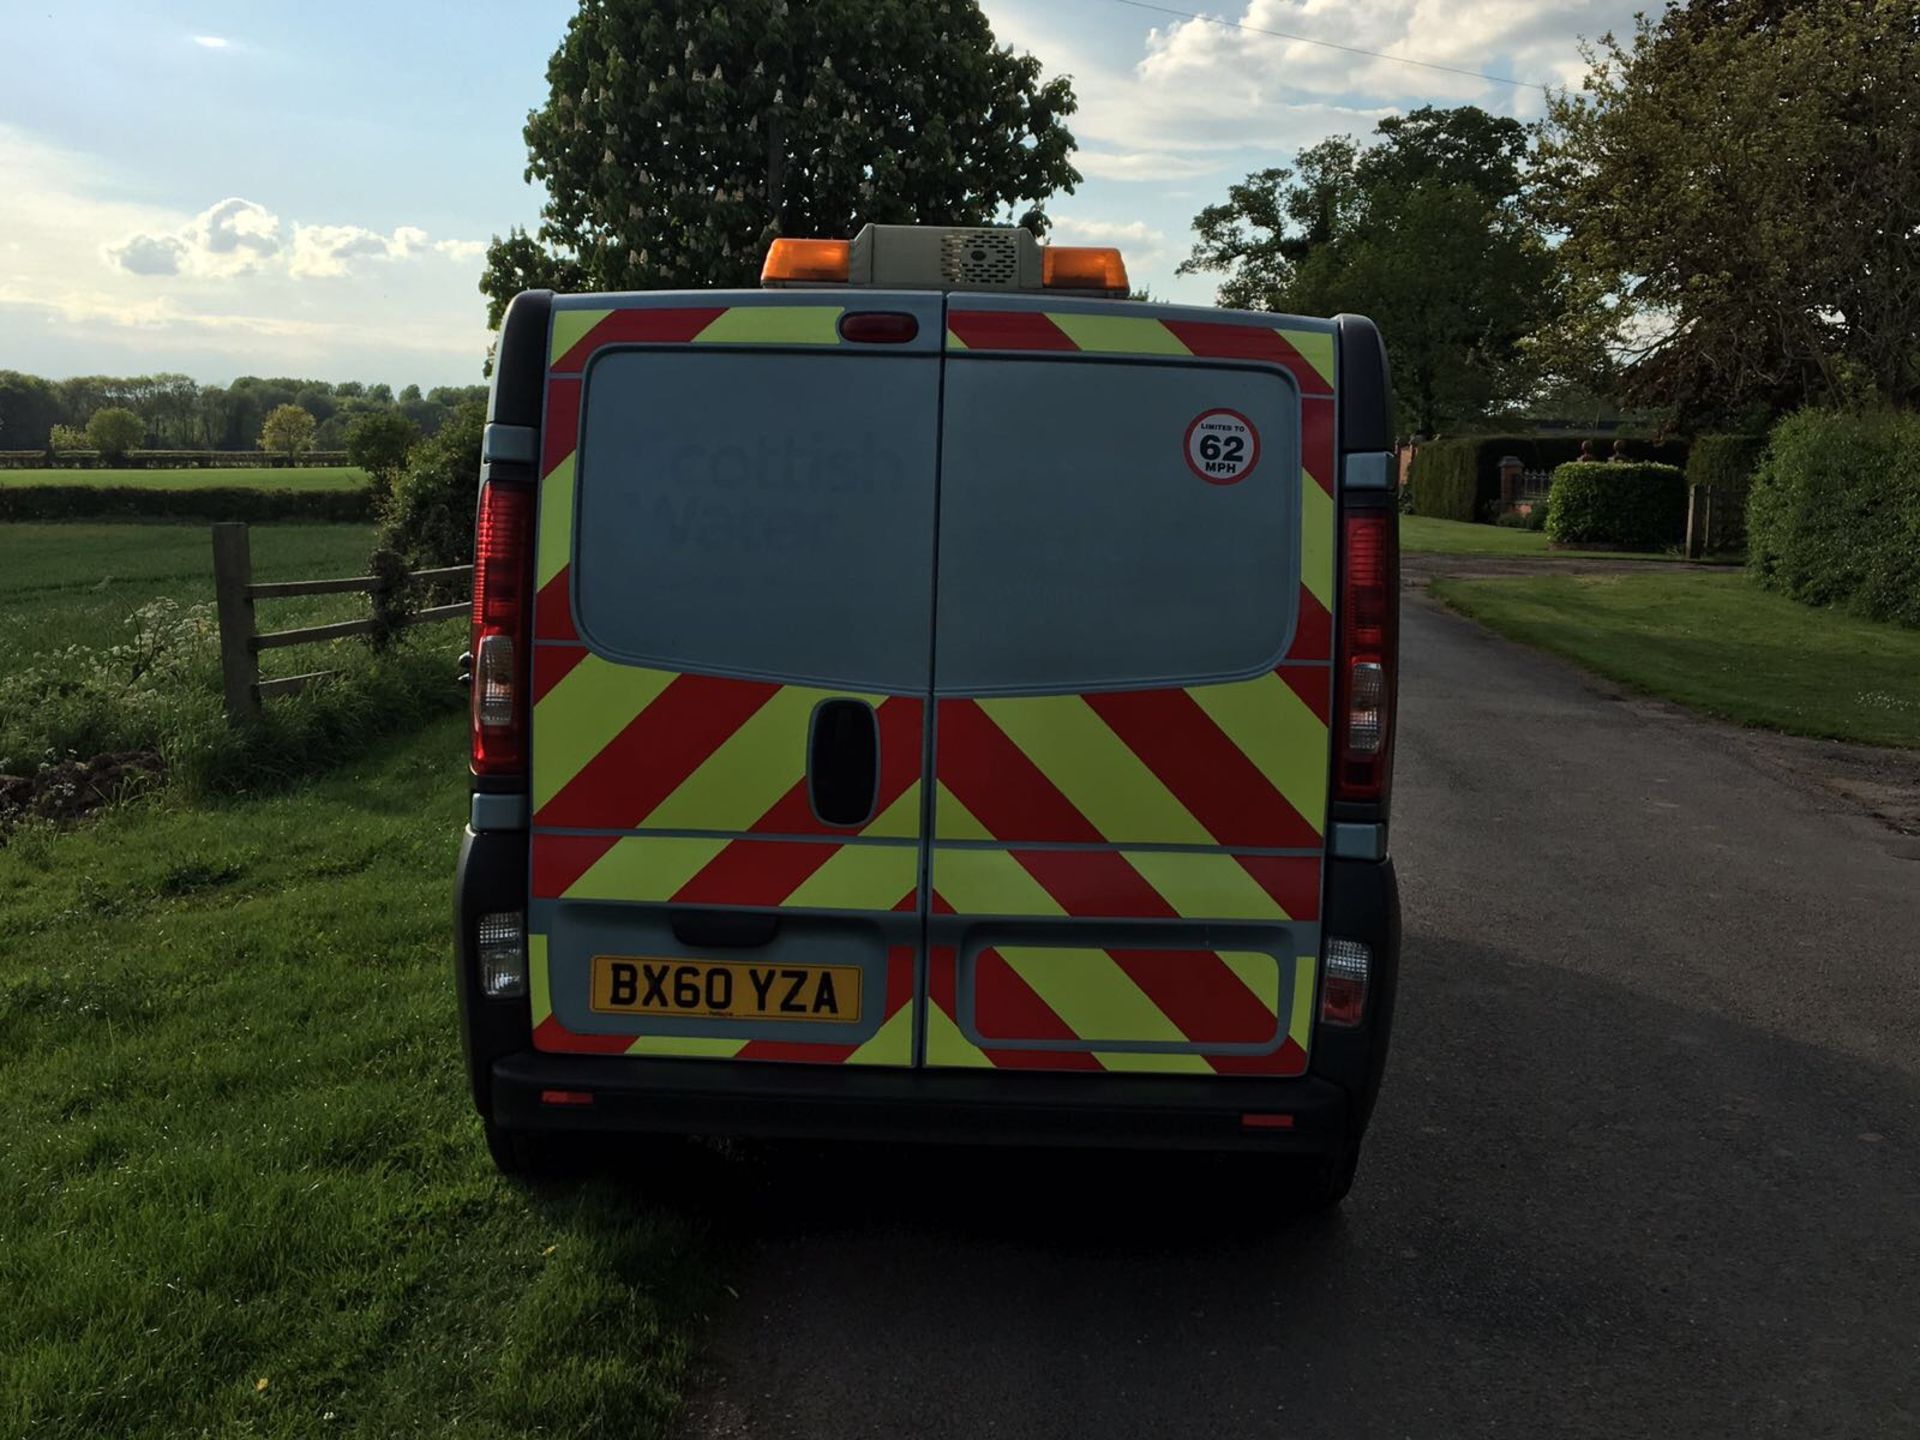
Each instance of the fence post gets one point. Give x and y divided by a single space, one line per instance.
232 574
1697 509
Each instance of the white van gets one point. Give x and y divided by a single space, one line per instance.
933 696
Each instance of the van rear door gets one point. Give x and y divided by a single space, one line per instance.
1132 669
731 677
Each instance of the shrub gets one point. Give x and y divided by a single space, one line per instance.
66 439
1833 517
1638 506
1512 520
1537 516
1725 461
1470 487
114 431
134 502
379 443
1444 482
429 521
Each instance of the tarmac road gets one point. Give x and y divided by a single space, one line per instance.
1647 1161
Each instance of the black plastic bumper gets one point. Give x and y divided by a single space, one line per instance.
704 1097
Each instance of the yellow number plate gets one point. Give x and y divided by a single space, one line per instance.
728 989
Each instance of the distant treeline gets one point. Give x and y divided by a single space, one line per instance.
181 414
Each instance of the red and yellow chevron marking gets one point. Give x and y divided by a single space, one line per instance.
890 1044
577 333
1041 1008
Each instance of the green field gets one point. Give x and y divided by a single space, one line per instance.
1715 642
251 477
76 584
242 1189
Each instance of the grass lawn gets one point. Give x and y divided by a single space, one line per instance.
240 1184
1719 644
1421 535
248 477
76 584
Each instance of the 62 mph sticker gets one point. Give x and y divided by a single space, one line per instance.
1222 446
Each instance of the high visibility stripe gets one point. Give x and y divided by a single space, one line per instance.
1273 729
993 777
1236 801
1316 543
1006 330
701 1047
539 990
755 872
553 546
952 820
642 326
1290 882
551 665
1314 685
749 772
1072 741
1259 972
1090 991
582 715
857 877
954 342
990 882
1204 886
654 752
654 868
1207 1001
1316 445
1316 348
948 1047
774 325
560 435
1312 628
559 860
569 328
551 1035
1117 334
553 610
1096 882
891 1044
1004 1003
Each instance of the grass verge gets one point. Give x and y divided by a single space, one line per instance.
241 1187
114 649
252 477
1717 644
1423 535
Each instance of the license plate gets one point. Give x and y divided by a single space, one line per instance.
727 989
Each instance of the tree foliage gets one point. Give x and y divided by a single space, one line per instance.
378 443
114 431
287 430
1743 175
680 136
1426 231
429 521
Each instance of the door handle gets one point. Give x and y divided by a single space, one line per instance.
843 762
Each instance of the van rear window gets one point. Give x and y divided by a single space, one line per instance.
1083 545
768 515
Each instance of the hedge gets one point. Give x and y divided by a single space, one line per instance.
1463 474
1637 506
1833 517
1725 461
134 502
167 460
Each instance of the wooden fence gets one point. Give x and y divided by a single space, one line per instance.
235 590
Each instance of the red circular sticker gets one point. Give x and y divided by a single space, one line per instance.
1222 446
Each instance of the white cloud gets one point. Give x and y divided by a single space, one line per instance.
213 42
217 293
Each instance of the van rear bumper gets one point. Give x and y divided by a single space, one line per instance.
956 1106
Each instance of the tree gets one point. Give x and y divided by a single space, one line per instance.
430 520
114 431
286 431
1425 231
680 136
378 443
1742 177
65 439
29 409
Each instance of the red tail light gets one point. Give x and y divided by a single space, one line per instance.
502 592
1367 654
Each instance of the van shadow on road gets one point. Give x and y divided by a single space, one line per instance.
1667 1216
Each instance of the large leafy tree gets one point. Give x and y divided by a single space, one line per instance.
1744 177
681 136
1426 230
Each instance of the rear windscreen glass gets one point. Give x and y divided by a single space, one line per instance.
1105 525
759 514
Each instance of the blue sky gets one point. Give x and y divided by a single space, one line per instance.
306 189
